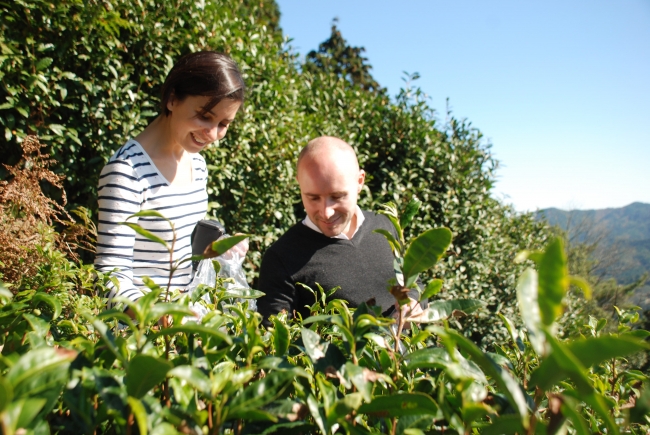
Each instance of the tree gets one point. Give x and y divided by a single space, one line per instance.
334 55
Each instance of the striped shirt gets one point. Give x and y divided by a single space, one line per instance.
129 183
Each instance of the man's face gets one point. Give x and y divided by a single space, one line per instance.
329 187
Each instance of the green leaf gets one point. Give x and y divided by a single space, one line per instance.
164 429
316 413
553 281
20 414
424 251
145 372
140 414
397 405
280 337
601 324
146 234
43 63
56 129
39 371
241 293
22 111
107 336
39 326
343 407
641 408
433 288
160 309
571 409
221 246
6 393
504 424
440 310
358 376
5 293
195 328
313 345
49 300
505 382
588 352
192 376
149 213
527 299
431 357
566 364
259 394
411 209
513 332
582 284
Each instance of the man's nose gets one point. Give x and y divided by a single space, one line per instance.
328 209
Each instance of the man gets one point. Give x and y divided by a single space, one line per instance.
335 245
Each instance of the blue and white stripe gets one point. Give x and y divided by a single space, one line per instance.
129 183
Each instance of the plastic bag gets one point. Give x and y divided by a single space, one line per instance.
232 267
231 264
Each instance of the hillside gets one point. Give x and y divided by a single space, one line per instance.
620 232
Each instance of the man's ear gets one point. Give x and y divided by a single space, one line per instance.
362 177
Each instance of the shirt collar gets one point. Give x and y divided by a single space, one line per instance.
360 218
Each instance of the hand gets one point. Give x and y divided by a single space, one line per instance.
411 311
240 249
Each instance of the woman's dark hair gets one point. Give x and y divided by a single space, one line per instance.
205 73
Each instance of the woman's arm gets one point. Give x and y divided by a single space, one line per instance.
119 196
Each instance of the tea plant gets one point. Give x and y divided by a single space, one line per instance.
67 367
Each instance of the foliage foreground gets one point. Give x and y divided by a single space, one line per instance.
69 367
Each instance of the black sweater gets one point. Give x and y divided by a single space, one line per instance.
361 267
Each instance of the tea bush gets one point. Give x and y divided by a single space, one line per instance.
68 367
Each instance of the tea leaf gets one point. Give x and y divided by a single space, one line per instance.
424 251
145 372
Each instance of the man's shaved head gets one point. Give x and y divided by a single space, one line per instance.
327 147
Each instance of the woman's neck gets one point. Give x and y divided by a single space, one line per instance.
171 160
157 141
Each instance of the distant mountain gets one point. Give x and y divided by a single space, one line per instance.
624 231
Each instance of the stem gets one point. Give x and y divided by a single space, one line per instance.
129 424
400 325
614 376
172 269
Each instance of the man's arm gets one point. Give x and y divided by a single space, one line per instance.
275 282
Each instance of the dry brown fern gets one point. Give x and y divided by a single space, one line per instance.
27 216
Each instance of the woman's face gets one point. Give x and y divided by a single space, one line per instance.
192 129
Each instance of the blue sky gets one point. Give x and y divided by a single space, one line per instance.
560 88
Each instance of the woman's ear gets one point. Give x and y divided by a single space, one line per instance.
171 102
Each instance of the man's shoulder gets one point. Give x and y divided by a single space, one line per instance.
375 221
290 238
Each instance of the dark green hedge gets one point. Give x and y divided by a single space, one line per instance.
85 76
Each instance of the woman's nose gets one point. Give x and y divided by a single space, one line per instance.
215 132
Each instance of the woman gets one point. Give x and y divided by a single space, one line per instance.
160 169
